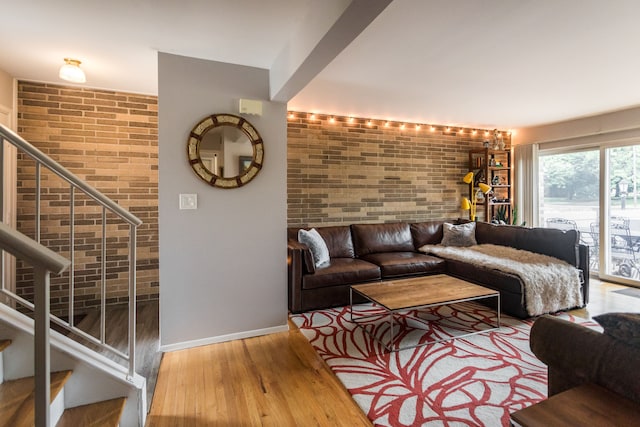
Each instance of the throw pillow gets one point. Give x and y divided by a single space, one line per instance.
459 235
622 326
317 245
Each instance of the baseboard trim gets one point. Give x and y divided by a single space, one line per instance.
223 338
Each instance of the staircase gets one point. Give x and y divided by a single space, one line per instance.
47 378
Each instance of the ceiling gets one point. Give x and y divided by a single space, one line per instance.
491 63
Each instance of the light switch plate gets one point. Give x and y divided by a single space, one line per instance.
188 201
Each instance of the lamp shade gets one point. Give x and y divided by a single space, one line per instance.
72 72
484 187
465 204
468 178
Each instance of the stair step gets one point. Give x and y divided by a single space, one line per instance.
17 406
106 413
4 344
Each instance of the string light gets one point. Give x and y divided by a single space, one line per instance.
418 126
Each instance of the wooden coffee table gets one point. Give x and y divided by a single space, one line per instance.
416 293
585 405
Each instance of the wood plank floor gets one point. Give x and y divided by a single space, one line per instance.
273 380
279 380
147 337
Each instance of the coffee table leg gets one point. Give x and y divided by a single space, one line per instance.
391 324
351 304
498 310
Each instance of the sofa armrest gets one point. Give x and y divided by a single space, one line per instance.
303 252
576 355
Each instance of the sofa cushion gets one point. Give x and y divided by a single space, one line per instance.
496 234
459 235
374 238
621 326
341 271
564 247
316 245
426 233
338 240
494 279
395 264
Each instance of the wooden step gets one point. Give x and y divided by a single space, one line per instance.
103 414
4 344
17 406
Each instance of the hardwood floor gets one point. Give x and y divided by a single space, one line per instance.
147 337
279 380
273 380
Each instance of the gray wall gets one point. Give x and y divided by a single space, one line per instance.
222 266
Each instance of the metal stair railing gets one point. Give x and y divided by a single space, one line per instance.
44 262
107 206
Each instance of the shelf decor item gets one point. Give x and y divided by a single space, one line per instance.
471 205
494 170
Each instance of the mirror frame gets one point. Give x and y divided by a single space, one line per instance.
211 122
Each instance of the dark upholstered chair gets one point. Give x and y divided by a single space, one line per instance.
576 355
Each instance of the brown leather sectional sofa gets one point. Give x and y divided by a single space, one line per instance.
372 252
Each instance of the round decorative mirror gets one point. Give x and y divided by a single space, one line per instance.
225 150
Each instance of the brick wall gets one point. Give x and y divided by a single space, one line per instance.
353 170
109 139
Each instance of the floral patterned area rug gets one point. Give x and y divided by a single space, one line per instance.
476 380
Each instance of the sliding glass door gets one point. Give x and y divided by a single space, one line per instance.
622 221
577 185
570 196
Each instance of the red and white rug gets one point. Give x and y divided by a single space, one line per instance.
472 381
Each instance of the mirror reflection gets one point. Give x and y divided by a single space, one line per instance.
226 151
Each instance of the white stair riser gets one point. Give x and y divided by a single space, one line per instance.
94 377
57 408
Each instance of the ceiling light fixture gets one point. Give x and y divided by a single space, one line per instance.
72 72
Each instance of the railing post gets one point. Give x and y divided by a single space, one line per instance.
42 359
72 253
132 299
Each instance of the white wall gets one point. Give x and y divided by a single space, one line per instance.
222 266
7 94
612 126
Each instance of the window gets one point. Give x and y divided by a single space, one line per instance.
576 185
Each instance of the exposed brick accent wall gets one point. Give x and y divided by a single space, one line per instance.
109 139
345 170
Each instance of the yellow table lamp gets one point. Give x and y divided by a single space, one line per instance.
470 205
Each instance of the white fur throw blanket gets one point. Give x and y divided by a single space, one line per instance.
550 284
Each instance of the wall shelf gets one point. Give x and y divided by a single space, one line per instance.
482 162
